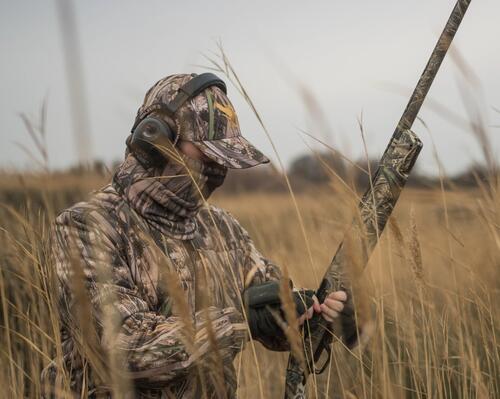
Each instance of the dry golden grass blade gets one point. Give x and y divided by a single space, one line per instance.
415 253
231 74
215 361
336 152
355 198
291 327
180 305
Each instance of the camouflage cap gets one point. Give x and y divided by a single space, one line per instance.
209 121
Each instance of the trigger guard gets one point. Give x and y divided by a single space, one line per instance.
328 350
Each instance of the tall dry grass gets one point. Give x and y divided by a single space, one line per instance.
433 291
432 285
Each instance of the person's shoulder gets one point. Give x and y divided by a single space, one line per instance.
213 219
100 204
218 215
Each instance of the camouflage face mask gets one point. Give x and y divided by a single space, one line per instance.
169 197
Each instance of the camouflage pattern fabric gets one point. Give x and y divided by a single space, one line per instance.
162 308
169 198
209 121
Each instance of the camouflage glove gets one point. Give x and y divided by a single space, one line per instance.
262 300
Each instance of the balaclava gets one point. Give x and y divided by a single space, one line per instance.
169 196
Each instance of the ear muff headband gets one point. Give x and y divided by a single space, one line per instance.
194 87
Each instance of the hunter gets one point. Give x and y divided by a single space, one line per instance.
158 289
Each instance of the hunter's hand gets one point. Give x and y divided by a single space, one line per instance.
333 305
315 308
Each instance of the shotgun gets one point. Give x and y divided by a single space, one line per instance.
374 209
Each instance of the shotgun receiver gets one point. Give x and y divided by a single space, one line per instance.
374 209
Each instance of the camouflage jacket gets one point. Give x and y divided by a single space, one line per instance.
151 299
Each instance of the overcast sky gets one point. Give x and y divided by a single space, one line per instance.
349 54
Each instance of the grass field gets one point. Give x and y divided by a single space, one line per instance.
431 289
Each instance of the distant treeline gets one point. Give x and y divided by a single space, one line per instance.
62 188
327 169
321 168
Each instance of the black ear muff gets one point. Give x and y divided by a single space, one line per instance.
151 141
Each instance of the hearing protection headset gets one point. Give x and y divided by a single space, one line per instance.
150 133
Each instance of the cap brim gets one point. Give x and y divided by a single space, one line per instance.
234 152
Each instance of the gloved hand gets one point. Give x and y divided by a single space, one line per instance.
264 299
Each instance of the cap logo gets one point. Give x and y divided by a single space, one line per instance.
229 113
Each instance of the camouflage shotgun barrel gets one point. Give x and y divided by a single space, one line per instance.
374 209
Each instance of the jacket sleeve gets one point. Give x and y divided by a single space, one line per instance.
259 269
150 348
262 269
